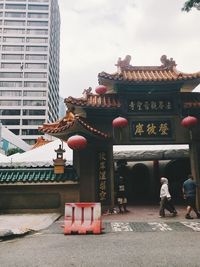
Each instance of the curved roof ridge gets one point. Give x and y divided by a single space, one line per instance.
147 74
109 100
197 73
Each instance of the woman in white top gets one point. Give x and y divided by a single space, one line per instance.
165 199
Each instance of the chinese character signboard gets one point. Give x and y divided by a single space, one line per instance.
102 179
144 106
161 129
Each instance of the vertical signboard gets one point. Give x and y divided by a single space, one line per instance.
103 182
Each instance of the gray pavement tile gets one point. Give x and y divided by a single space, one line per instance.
177 226
141 227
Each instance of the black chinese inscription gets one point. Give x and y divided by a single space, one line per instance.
102 178
151 129
150 106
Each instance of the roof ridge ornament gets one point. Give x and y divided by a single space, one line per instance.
123 64
87 92
167 63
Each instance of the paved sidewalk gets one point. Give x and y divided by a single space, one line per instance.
145 213
19 224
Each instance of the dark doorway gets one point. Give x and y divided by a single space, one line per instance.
177 171
139 184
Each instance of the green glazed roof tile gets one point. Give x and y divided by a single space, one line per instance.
36 175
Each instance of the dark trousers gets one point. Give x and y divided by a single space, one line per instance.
166 204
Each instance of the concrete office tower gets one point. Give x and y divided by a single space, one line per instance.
29 65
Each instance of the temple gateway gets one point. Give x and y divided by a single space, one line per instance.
136 105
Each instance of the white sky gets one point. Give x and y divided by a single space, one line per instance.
95 33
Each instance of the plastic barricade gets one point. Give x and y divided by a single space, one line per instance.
82 218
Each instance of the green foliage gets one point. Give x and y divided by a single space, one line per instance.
12 151
190 4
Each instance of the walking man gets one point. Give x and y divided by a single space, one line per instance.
121 195
189 194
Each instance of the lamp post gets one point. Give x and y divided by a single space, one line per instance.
59 162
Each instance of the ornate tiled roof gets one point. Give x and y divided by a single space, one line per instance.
167 72
36 175
93 100
78 123
40 142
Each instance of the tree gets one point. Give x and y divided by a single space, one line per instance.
190 4
12 151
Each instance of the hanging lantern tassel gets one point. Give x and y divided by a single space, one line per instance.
120 123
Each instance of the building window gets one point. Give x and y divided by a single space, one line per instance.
9 112
35 84
38 15
36 66
38 7
11 75
15 14
15 6
37 48
34 93
13 48
10 84
14 31
34 103
10 122
12 56
13 39
31 132
33 112
37 31
39 1
10 93
36 40
11 65
36 57
35 75
15 0
14 22
37 23
15 131
32 122
10 103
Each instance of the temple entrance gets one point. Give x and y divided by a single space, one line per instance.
143 179
135 105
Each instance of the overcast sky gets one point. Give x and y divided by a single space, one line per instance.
95 33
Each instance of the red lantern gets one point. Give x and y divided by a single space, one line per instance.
101 89
189 121
77 142
119 122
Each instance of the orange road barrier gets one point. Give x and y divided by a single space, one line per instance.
82 218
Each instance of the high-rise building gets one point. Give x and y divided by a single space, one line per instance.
29 65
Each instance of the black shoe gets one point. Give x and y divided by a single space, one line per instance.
187 216
174 213
198 216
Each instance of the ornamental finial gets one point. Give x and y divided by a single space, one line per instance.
123 63
167 63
